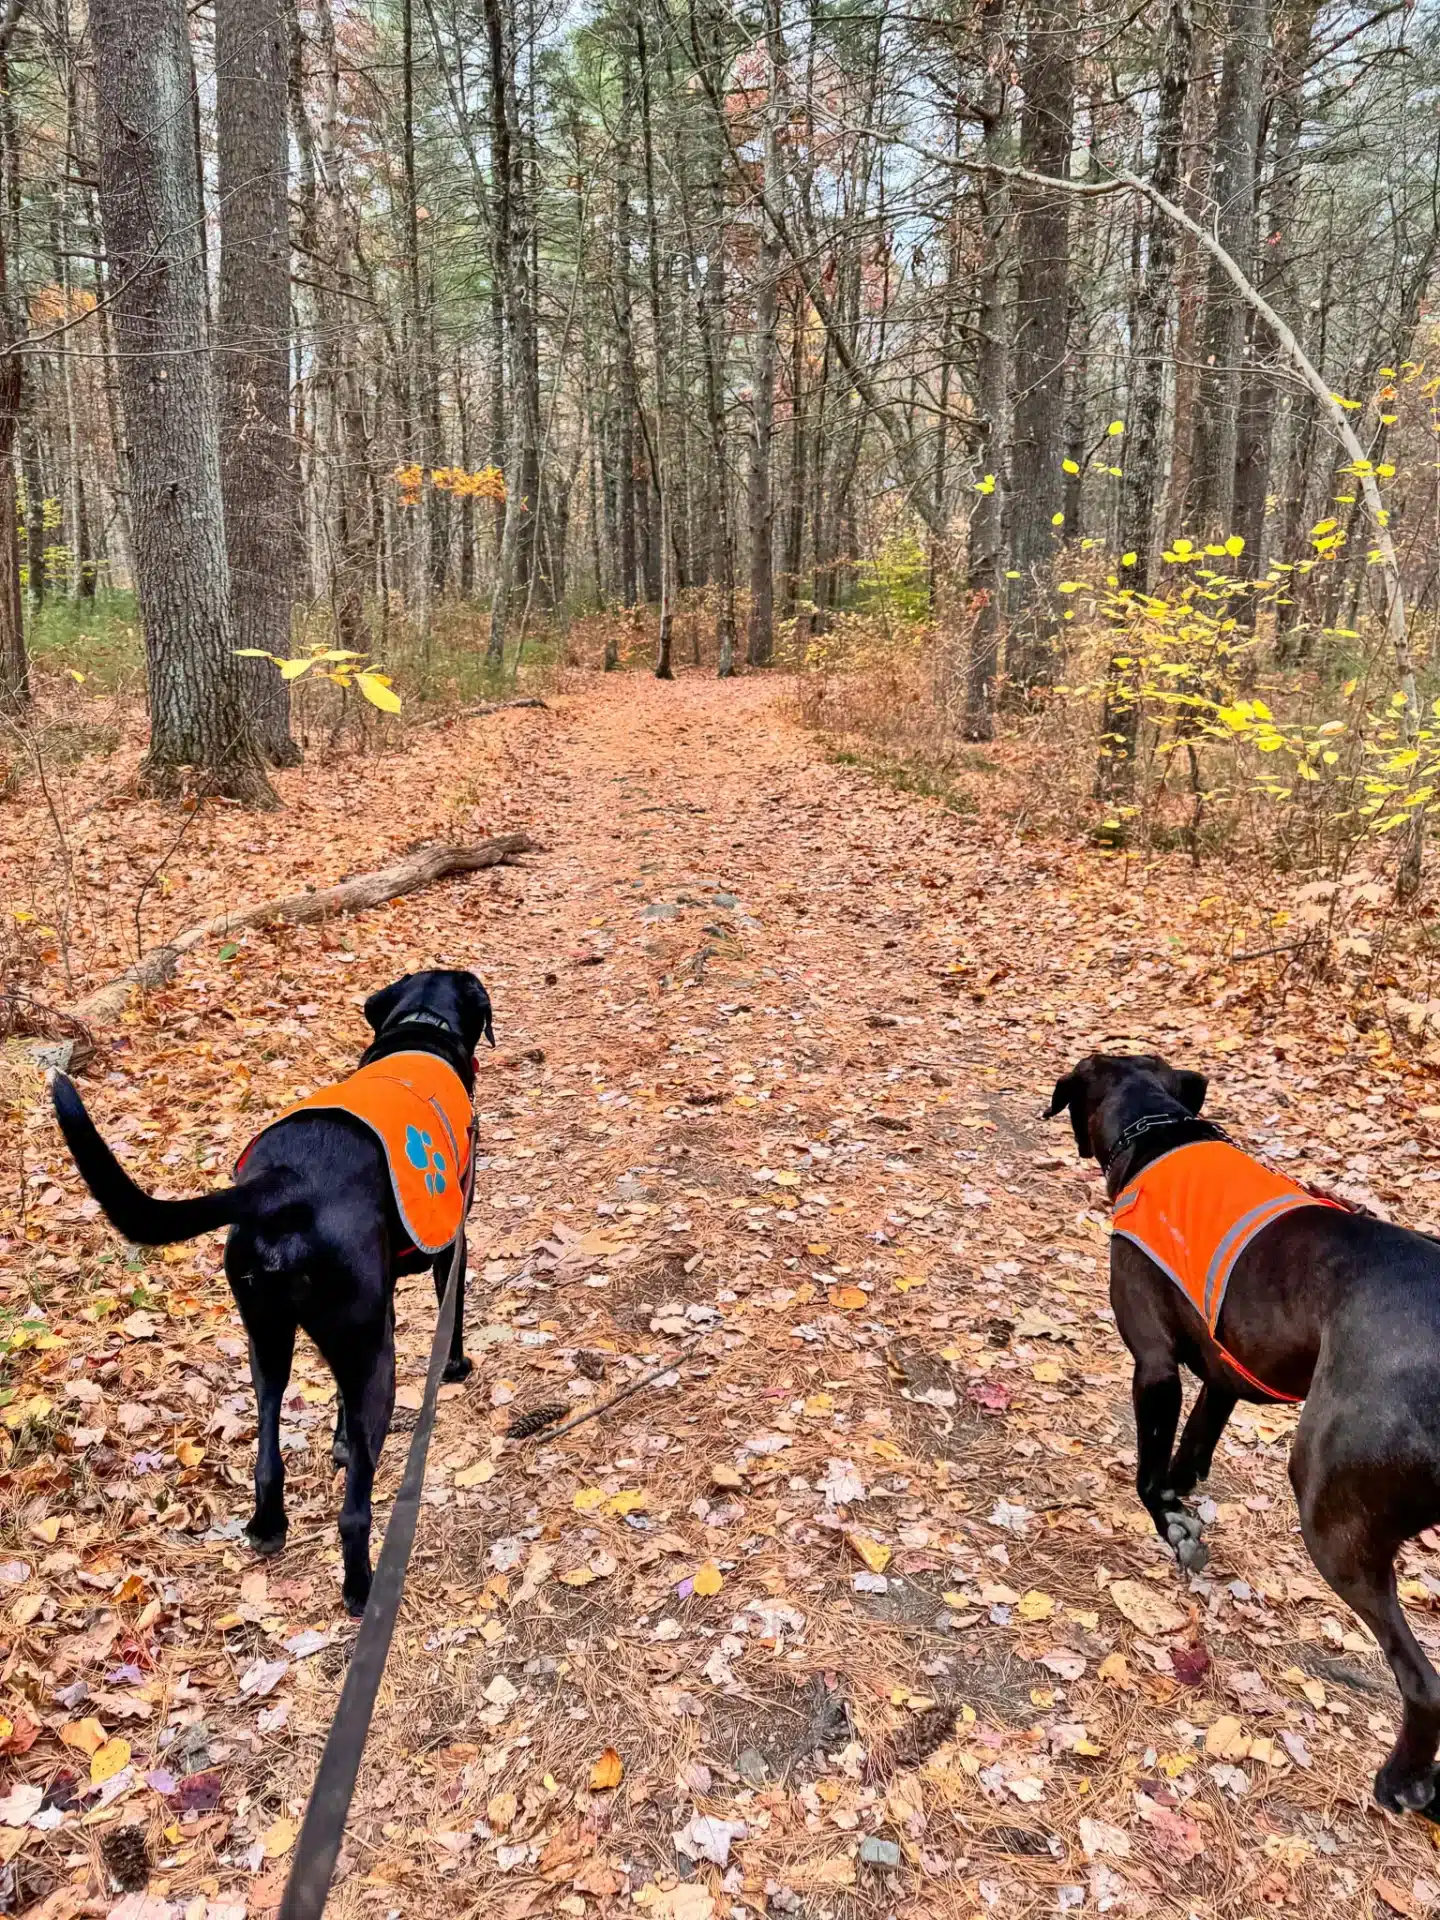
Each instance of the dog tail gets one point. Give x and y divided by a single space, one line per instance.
142 1218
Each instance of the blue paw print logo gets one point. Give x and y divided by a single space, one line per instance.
420 1151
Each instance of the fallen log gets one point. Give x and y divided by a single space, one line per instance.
482 712
434 862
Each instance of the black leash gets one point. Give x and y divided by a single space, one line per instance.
308 1886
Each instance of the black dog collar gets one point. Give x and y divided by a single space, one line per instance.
1153 1123
419 1019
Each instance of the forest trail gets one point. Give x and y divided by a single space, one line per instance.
773 1045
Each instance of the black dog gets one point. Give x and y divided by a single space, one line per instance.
1323 1304
316 1241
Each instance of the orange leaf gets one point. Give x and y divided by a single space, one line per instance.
608 1771
88 1736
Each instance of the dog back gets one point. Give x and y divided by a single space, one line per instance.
416 1106
1196 1209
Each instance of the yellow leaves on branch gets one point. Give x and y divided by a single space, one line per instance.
340 665
485 483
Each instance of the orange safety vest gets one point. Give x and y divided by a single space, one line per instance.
1195 1210
417 1107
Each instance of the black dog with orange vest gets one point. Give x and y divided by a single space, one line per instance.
357 1184
1265 1291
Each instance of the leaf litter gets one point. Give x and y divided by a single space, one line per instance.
855 1606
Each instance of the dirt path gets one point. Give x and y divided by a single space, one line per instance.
773 1044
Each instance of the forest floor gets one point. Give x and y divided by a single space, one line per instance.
858 1612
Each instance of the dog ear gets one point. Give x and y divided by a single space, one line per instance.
1070 1093
380 1005
1191 1089
484 1014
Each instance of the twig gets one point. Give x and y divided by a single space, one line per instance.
646 1379
1263 953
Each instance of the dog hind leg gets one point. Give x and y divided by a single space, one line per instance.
457 1366
369 1398
1361 1569
272 1350
1353 1542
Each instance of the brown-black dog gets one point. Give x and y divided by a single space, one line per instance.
1332 1306
315 1242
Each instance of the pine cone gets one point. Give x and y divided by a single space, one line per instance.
127 1859
525 1425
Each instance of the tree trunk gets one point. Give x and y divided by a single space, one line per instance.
257 460
985 566
1195 148
150 209
795 511
659 457
14 662
1144 448
1043 241
625 339
1276 280
509 253
1237 132
760 646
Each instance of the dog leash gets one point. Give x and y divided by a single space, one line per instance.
323 1830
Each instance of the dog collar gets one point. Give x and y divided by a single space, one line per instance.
418 1019
1155 1123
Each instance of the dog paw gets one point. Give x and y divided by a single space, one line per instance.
460 1369
1182 1530
340 1456
355 1604
1413 1795
267 1545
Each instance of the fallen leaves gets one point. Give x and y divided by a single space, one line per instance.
874 1553
1153 1612
107 1760
280 1836
707 1580
607 1772
86 1736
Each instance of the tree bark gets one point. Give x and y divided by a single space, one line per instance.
258 475
1237 132
150 209
1144 444
1276 280
1043 241
1140 489
760 642
660 469
509 262
986 568
14 662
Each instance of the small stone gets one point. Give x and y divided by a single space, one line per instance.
753 1768
880 1853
